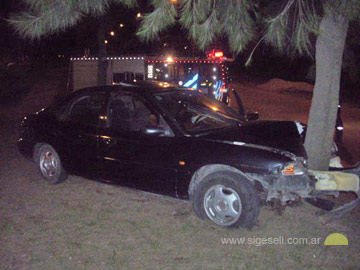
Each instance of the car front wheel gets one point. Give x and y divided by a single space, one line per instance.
50 165
227 199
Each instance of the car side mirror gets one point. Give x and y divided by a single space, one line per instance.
154 131
252 116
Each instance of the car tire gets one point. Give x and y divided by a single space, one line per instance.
50 165
228 199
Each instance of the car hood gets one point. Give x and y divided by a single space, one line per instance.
277 136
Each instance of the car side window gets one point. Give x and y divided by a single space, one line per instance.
131 113
85 109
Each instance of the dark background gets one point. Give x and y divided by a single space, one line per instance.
56 49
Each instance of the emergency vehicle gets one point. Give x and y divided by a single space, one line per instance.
208 75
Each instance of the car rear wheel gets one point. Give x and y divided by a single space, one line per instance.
50 165
227 199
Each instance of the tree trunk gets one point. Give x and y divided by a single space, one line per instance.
102 62
329 52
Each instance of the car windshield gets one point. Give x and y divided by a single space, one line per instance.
196 112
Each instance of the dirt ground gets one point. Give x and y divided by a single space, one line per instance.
82 224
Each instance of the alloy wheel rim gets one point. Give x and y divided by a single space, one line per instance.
48 164
222 205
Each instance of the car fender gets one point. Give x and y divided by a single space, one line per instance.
206 170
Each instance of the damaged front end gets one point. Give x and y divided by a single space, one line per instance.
285 177
293 182
287 183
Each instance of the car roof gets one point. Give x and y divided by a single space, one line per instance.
140 87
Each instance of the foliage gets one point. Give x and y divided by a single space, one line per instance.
48 16
157 21
205 20
288 25
289 30
348 8
291 27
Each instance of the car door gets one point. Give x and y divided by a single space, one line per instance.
129 156
76 133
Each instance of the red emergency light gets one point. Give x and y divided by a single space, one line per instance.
215 54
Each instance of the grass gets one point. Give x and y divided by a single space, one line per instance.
88 225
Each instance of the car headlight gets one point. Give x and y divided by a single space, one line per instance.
293 168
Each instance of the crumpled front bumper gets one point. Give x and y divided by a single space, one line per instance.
311 186
289 188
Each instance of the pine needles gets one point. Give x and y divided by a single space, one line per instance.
44 17
240 21
290 30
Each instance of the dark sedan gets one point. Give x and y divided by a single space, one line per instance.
169 141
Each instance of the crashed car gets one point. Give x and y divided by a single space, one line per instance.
174 142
